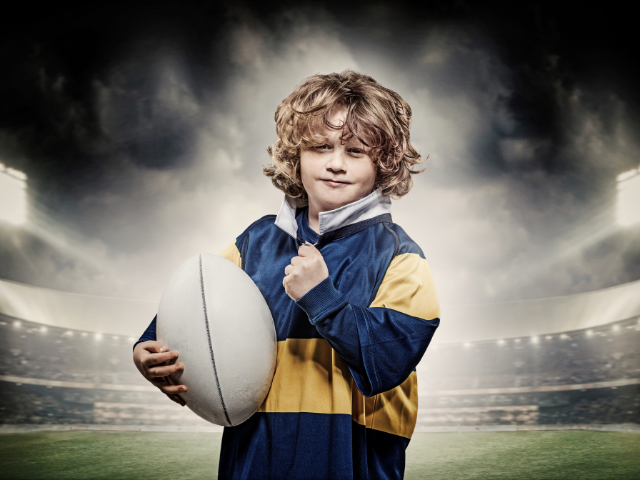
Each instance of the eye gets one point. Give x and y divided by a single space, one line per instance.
356 151
321 147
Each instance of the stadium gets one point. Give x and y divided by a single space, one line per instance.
134 137
568 363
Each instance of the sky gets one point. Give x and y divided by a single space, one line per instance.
143 128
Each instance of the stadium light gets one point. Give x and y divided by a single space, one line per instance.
131 339
534 339
501 342
564 336
69 333
467 344
549 337
627 211
84 334
517 340
17 323
589 333
98 336
13 195
616 328
43 329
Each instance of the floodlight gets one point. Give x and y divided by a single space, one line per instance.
501 342
98 336
589 333
43 329
628 202
467 344
616 328
13 195
534 339
17 323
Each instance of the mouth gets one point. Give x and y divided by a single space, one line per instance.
334 183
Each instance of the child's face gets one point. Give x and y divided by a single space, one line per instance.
334 174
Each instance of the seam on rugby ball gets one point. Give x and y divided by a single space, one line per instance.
213 361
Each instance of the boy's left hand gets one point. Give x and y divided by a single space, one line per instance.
306 271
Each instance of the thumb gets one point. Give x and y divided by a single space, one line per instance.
308 250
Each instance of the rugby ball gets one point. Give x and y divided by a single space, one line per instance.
213 314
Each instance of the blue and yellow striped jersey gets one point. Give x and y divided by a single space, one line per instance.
344 398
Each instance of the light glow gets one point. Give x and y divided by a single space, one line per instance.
628 203
13 195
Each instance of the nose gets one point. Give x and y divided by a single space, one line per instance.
336 162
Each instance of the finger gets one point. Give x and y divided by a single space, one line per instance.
166 388
296 261
155 347
308 251
166 371
288 269
156 358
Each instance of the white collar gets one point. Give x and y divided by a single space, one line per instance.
368 207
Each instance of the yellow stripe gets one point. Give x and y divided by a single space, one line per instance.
408 287
310 377
396 410
231 253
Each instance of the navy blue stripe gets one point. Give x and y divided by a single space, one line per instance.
352 229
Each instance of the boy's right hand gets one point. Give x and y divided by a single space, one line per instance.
147 356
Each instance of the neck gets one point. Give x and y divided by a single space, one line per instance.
314 217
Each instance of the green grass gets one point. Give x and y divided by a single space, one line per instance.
450 456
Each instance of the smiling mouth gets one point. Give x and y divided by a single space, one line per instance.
334 182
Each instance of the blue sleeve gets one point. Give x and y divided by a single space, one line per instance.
382 346
149 333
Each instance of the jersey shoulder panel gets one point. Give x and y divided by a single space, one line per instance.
408 286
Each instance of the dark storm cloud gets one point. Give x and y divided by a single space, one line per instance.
143 130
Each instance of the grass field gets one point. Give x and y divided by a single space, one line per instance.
563 455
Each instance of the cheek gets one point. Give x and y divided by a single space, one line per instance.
367 174
304 168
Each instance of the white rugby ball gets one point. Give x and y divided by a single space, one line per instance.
213 314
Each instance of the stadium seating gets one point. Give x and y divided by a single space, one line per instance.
60 376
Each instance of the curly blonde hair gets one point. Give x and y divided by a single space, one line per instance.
375 115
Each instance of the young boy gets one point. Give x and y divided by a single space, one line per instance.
350 293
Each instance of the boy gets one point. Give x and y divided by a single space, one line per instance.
350 293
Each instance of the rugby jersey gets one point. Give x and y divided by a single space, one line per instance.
344 397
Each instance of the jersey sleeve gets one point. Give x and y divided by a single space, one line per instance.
231 253
382 343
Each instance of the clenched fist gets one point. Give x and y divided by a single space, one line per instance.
305 272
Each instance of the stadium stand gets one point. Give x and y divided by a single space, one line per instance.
56 375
